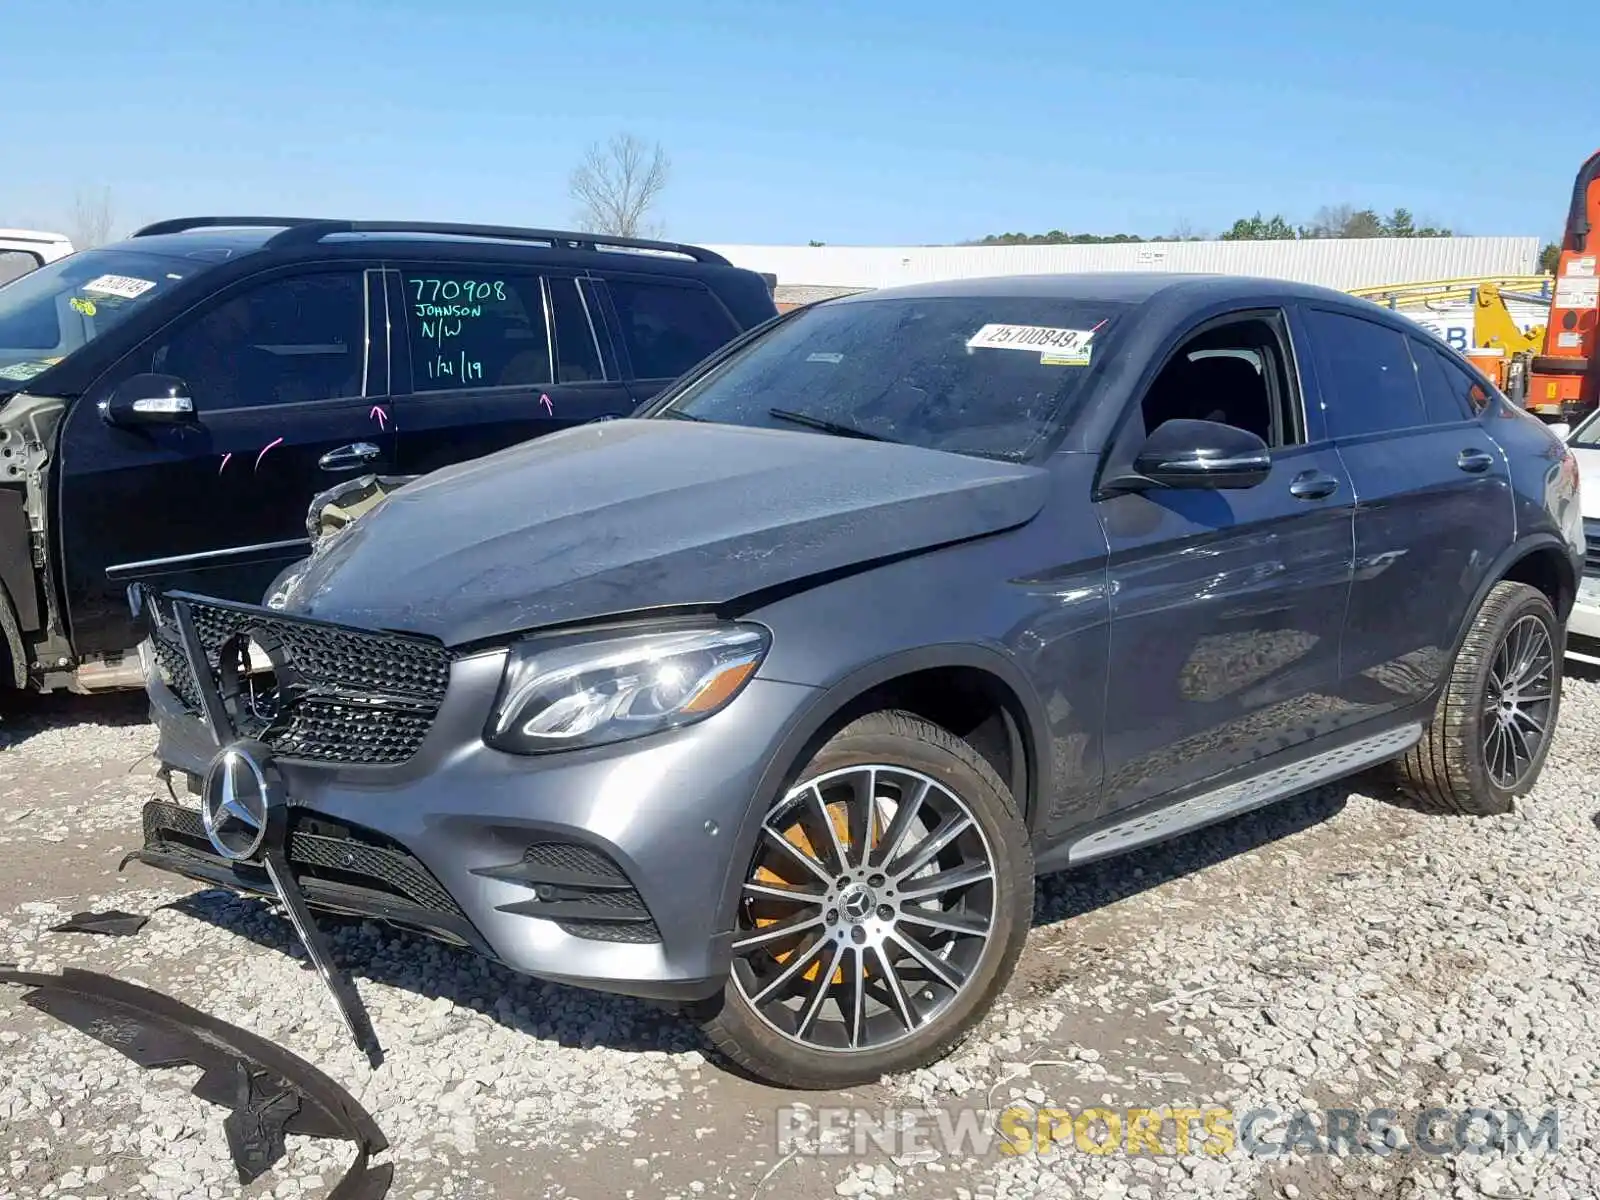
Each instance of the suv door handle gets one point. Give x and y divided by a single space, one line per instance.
1475 461
1313 485
347 458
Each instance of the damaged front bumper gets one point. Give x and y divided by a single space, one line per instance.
610 868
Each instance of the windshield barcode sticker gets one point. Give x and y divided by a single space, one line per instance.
1077 358
125 286
1054 344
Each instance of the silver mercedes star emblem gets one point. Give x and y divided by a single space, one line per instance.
857 902
233 803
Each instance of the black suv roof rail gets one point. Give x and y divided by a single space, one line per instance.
299 231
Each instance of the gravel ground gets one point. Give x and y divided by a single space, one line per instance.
1335 951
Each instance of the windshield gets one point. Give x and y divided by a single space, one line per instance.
47 314
980 375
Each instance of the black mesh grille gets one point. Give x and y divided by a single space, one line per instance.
328 731
350 860
567 857
1591 535
175 673
317 848
341 695
606 931
625 901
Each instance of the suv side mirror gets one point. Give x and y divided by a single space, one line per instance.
149 400
1201 454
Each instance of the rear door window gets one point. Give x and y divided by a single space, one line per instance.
668 327
476 329
1443 397
1369 384
1466 389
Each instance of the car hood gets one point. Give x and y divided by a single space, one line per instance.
1588 480
622 516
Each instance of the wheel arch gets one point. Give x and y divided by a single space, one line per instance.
1546 565
881 684
1542 561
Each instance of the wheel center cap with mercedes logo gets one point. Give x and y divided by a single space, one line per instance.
857 902
236 798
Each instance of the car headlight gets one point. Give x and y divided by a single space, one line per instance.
561 697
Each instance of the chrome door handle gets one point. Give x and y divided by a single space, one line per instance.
1313 485
1475 461
347 458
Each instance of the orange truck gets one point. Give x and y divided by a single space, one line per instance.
1563 381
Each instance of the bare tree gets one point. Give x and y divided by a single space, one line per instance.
92 218
617 184
1331 221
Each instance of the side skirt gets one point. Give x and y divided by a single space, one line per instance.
1218 804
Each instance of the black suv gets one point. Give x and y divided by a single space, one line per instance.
170 405
777 698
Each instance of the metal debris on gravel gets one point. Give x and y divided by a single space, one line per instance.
1336 951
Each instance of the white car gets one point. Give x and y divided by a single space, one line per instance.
1584 442
24 250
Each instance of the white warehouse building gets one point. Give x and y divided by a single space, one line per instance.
806 273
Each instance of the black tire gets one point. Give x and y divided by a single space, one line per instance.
1449 771
898 740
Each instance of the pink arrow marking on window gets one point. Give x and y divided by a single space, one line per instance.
378 415
549 407
275 441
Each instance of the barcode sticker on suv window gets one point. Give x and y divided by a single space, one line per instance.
1043 340
125 286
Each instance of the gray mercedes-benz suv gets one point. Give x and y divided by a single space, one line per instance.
775 698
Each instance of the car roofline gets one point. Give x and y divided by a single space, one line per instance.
303 231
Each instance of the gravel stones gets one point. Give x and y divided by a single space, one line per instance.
1336 950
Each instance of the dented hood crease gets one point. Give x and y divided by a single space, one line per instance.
624 516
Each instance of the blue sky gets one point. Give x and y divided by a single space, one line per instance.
877 122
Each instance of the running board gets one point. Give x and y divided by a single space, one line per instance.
1234 798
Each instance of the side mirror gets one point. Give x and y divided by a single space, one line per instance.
1201 454
149 400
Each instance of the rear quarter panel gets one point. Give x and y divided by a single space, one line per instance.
1545 481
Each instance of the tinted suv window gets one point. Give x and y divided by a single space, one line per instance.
1467 390
667 328
1369 384
990 376
296 338
478 329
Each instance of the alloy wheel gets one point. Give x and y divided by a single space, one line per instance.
1518 701
866 910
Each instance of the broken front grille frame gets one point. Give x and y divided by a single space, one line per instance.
337 694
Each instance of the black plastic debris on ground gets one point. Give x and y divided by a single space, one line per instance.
113 923
270 1092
